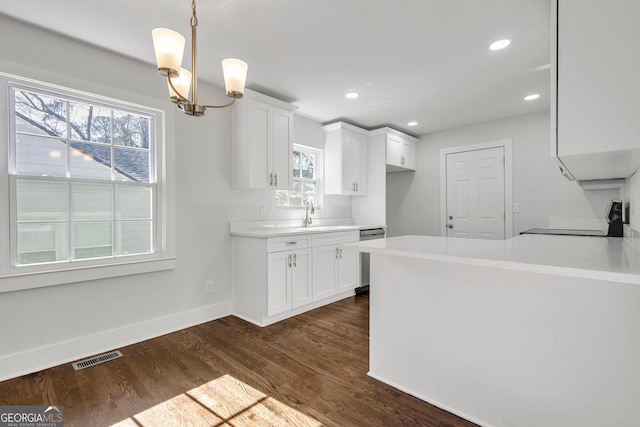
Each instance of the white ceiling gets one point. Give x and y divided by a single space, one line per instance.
422 60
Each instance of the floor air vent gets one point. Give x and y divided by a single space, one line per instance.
96 360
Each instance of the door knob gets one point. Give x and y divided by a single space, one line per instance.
450 225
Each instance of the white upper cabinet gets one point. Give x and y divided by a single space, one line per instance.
595 80
400 149
345 162
262 142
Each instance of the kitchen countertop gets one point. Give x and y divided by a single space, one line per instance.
279 230
609 258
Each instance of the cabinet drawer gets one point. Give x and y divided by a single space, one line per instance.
276 244
323 239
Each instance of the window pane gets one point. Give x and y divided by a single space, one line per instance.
295 196
130 130
307 165
282 198
90 161
40 114
41 201
309 192
132 164
90 123
296 164
92 240
133 202
40 156
134 237
91 201
38 243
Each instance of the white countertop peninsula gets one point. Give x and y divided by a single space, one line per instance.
531 331
607 258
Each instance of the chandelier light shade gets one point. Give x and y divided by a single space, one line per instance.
183 84
169 47
235 76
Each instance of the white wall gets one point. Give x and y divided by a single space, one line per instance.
47 326
413 199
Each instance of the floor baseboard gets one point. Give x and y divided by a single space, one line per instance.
37 359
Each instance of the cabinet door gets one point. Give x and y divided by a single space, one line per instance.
598 90
348 270
359 163
282 147
348 182
258 134
394 150
324 272
278 282
409 155
301 278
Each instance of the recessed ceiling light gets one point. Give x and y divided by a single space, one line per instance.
352 95
532 97
500 44
412 124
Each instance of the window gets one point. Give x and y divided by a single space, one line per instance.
305 179
83 187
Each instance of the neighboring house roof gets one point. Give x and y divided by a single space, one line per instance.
130 163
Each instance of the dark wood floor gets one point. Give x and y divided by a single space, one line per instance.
306 370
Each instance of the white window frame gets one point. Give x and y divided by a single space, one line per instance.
317 202
162 256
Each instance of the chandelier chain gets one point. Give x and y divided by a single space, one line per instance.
194 18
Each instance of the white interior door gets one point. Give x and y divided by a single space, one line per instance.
475 194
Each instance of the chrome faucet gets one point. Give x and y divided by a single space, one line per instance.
309 210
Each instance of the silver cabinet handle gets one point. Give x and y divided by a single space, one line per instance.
337 253
291 243
289 257
340 253
450 225
271 179
276 180
294 260
353 186
357 187
450 216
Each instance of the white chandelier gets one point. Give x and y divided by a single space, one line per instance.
169 49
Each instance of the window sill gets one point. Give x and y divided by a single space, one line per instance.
23 281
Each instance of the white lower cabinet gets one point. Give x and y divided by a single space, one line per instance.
288 280
275 278
348 270
324 271
334 270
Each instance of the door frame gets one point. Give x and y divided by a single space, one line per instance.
508 181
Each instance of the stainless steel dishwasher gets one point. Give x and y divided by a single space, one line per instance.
367 234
